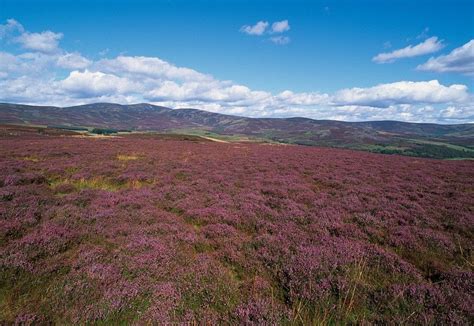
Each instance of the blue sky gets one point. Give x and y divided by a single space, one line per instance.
321 63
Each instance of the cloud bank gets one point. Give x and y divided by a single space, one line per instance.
42 76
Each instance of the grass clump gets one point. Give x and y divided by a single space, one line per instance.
31 158
97 183
125 157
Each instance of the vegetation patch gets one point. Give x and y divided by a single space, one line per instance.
237 234
96 183
31 158
125 157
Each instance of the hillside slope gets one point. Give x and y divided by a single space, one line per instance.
430 140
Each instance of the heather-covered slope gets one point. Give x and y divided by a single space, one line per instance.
144 229
429 140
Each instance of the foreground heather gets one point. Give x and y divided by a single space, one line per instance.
142 229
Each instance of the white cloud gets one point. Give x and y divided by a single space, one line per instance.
38 78
11 26
150 67
29 89
73 61
40 64
257 29
408 101
428 46
44 42
308 99
460 60
457 114
260 28
43 59
281 26
280 40
8 63
404 92
90 84
24 64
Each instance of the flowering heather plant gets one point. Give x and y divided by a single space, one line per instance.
92 231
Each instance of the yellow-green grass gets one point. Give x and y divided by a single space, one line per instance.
98 183
127 157
31 158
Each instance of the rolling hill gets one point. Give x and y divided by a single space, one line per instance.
391 137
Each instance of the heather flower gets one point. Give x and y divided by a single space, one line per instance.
195 232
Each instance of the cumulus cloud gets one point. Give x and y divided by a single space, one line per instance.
260 29
73 61
458 114
43 53
44 42
90 84
306 99
257 29
460 60
8 63
40 64
150 67
123 80
281 26
28 64
11 26
37 77
428 46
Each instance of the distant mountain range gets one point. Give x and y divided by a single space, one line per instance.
392 137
